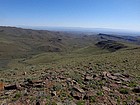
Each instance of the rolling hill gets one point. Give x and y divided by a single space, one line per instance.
54 67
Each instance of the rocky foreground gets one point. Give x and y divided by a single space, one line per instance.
53 88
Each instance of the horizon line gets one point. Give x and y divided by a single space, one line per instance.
68 27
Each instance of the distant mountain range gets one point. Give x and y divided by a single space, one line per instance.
88 31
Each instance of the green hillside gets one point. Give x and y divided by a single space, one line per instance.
63 68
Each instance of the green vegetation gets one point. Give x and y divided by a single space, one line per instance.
80 103
138 99
17 96
92 99
132 84
100 93
62 61
124 91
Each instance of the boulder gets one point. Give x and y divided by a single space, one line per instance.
111 76
77 88
126 75
106 88
53 93
12 87
117 74
125 79
9 92
104 73
77 95
136 89
88 78
38 85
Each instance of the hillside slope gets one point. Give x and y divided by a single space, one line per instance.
17 43
61 68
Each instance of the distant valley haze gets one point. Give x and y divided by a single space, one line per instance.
89 31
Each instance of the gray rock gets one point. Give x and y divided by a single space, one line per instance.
88 78
136 89
77 88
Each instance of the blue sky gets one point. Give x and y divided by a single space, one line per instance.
116 14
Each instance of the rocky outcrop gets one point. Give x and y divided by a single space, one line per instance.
102 88
110 45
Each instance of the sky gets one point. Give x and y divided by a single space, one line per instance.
114 14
